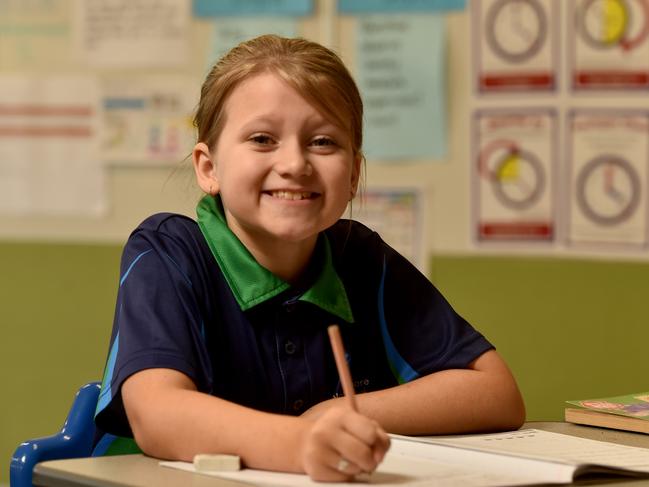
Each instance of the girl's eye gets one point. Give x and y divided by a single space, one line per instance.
323 142
261 139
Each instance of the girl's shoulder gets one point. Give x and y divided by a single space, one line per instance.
174 235
352 233
168 227
350 229
167 224
352 240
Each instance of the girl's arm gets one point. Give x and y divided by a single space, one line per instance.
483 397
171 419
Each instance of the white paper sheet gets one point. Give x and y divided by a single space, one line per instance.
512 458
549 445
409 463
49 160
148 119
132 33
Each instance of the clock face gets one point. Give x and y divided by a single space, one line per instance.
604 23
608 190
516 29
518 180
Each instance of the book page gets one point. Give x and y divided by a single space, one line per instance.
417 463
552 446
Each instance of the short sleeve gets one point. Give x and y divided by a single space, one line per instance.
415 326
157 322
422 333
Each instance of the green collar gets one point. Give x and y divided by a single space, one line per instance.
251 283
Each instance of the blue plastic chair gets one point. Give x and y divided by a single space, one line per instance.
75 439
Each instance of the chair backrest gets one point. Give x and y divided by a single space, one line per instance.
73 441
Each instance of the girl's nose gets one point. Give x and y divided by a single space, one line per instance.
292 161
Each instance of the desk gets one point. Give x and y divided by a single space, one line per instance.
141 471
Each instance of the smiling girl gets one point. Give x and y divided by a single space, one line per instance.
220 342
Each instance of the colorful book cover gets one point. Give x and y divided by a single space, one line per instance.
634 405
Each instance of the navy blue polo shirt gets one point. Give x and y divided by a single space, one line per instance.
193 299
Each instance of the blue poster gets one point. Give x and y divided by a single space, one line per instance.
401 74
229 32
223 8
398 6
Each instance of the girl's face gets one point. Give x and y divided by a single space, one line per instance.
283 170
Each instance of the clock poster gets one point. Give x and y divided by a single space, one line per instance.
607 161
610 44
515 44
513 175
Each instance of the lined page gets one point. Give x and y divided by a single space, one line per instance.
553 446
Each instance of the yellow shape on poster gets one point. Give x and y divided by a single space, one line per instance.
614 20
510 168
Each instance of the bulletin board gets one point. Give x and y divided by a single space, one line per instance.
108 89
96 101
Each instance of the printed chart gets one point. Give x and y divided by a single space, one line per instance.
610 44
515 44
396 214
608 171
513 174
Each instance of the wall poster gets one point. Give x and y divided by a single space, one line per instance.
513 174
610 45
515 44
608 176
396 214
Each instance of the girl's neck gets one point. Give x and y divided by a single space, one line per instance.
287 260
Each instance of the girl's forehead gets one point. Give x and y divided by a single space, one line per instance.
266 93
260 83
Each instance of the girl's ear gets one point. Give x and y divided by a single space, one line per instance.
356 174
205 169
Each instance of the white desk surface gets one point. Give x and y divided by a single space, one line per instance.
142 471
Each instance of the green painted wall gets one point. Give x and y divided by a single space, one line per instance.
568 328
57 306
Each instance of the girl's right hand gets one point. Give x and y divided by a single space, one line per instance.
342 443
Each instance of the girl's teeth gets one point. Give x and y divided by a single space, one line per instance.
289 195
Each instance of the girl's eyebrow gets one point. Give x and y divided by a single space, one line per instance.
260 120
314 123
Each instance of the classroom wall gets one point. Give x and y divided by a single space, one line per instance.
571 324
568 328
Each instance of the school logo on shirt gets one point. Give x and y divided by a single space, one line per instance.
361 385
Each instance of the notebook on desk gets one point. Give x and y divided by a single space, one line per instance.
522 457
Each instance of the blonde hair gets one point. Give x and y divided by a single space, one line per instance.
315 72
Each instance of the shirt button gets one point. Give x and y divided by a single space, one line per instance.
289 306
289 347
298 404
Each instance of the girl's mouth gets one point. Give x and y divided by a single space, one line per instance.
292 195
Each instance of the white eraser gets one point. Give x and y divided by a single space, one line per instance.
212 462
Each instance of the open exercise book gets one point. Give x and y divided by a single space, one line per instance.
513 458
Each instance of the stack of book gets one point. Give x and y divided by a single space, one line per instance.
630 413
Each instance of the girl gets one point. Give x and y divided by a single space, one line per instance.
219 341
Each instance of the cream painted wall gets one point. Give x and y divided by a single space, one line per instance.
136 192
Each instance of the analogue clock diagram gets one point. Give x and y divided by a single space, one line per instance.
608 190
517 176
516 29
605 24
